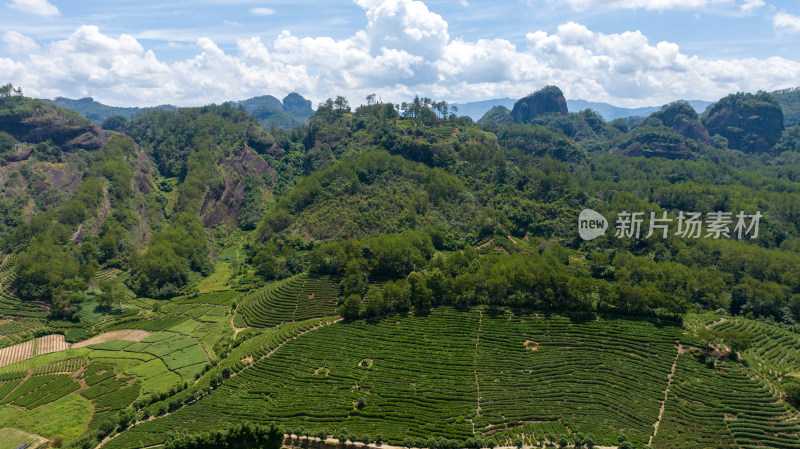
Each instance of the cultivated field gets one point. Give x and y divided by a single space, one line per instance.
451 374
294 299
122 335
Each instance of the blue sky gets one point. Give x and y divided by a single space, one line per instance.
630 53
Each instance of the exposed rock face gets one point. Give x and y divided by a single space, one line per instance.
682 117
549 100
693 129
36 121
144 180
752 123
23 152
222 205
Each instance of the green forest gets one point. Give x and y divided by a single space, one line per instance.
258 274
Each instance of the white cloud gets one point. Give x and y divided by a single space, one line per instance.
785 22
38 7
19 43
262 11
404 25
750 5
404 49
659 5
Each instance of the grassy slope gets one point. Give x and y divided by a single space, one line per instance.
66 417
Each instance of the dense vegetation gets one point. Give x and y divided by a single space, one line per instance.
398 273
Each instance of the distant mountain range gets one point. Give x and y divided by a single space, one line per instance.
97 112
477 109
295 110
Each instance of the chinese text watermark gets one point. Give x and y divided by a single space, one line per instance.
635 225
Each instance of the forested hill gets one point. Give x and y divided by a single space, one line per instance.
402 270
439 209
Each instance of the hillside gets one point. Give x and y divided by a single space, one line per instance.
98 112
399 274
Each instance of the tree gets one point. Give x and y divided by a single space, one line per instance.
341 105
115 123
376 303
370 99
420 293
112 293
350 308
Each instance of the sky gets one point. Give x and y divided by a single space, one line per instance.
192 52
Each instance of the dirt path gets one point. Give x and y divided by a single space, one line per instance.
316 443
475 370
101 215
714 323
666 394
236 330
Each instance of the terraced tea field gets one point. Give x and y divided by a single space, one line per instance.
725 407
434 376
9 303
774 350
294 299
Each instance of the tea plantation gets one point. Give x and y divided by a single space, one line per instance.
449 377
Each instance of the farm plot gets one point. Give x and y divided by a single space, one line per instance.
215 298
180 354
294 299
40 390
723 408
126 335
50 343
424 376
14 438
13 330
17 353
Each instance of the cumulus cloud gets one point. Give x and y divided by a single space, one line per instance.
405 49
38 7
785 22
404 25
19 43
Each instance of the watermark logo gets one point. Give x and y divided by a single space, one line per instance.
632 225
591 224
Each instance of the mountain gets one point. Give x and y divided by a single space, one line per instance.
400 276
97 112
548 100
270 112
751 123
790 103
611 112
477 109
